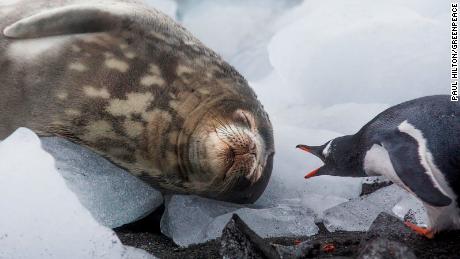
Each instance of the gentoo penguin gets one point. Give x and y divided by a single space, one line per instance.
415 144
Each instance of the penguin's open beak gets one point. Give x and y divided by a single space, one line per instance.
304 148
315 150
312 173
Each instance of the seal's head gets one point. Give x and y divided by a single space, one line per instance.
228 153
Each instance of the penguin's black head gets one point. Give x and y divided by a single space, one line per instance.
342 156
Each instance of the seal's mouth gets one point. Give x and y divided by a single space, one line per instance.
231 151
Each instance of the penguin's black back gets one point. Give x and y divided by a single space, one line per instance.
437 118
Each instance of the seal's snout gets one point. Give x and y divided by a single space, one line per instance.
245 154
235 151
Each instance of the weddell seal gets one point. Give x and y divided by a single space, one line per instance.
129 83
416 145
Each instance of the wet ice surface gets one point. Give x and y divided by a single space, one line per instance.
192 219
40 217
358 214
410 208
112 195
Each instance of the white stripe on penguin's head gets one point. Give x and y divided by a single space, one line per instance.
327 149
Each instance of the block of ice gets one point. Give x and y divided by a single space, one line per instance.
362 51
41 217
358 214
411 208
344 187
320 203
113 196
191 219
186 218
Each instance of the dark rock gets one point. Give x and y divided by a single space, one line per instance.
302 250
240 242
410 216
389 227
382 248
383 240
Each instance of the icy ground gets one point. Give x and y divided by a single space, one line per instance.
322 68
40 217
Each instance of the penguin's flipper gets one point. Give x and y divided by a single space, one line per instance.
403 150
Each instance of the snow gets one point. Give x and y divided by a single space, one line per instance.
376 49
41 217
238 30
112 195
192 219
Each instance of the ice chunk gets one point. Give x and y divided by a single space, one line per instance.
191 219
320 203
359 52
113 196
186 218
282 220
40 217
358 214
411 208
345 187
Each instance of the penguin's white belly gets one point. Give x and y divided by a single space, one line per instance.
377 162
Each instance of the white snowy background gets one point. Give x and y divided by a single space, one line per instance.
322 68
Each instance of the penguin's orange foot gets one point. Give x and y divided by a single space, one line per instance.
428 233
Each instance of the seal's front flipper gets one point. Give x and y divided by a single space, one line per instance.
67 20
406 158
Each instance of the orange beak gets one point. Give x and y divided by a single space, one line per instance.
304 148
312 173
